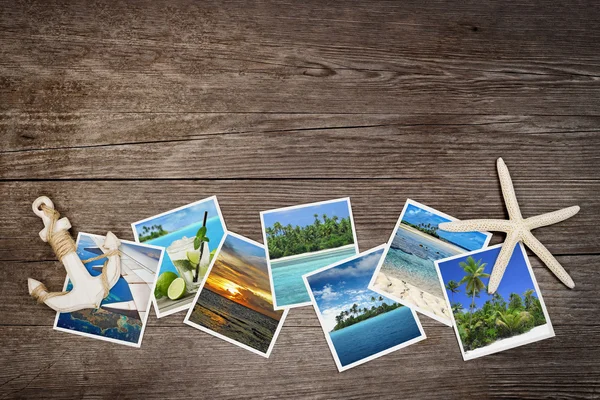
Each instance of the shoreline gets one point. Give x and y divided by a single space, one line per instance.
455 248
413 295
314 253
402 307
537 333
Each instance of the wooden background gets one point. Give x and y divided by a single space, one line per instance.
122 110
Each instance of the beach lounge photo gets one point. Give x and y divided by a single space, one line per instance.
406 272
486 323
302 239
121 317
235 302
359 324
190 235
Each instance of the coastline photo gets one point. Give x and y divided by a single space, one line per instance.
301 239
485 323
235 302
359 324
406 272
122 315
190 235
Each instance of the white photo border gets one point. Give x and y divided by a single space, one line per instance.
535 285
220 336
186 306
264 233
144 322
338 364
445 321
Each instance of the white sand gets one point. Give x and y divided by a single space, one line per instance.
537 333
412 295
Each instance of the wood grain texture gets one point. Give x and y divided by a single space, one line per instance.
122 110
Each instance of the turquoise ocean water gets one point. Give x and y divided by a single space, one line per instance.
374 335
214 231
411 258
287 274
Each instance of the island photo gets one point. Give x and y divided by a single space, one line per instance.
406 272
235 302
302 239
488 323
190 234
359 324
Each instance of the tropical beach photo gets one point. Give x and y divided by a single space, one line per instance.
488 323
359 324
406 272
302 239
121 317
190 235
235 302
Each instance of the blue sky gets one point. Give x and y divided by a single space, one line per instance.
467 240
305 215
517 278
245 249
338 288
176 220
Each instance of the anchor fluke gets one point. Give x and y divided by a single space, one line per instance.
88 291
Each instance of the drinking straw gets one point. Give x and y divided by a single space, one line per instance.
201 250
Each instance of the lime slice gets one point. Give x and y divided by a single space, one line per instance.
193 256
162 284
176 289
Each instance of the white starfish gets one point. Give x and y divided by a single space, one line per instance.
517 229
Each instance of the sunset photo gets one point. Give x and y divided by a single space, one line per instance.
235 302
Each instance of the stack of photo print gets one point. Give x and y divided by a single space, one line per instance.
367 302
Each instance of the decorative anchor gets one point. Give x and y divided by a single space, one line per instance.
517 229
88 291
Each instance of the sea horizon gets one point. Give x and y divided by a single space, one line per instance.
374 335
233 301
402 306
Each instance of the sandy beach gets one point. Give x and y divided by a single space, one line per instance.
535 334
400 289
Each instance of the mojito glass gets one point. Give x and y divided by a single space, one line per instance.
185 259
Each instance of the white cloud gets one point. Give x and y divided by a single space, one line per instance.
366 265
327 293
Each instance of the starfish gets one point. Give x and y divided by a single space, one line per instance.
517 229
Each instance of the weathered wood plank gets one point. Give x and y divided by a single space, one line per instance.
48 130
382 151
212 57
97 207
192 363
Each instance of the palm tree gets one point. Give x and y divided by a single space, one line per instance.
452 286
338 319
457 308
474 272
528 297
373 298
513 322
515 302
354 308
380 298
277 227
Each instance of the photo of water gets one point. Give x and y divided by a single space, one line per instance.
233 320
374 335
287 274
411 258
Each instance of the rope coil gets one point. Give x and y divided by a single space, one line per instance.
62 244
